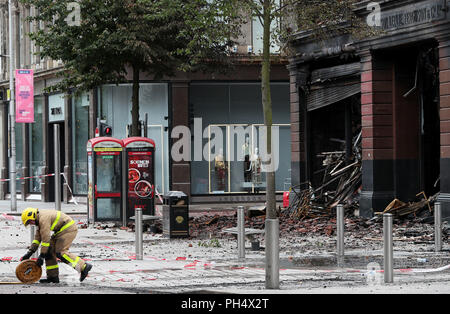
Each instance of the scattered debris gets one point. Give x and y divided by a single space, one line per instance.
341 184
399 208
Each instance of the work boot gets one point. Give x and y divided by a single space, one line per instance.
87 267
50 280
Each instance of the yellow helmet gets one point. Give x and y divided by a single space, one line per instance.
28 214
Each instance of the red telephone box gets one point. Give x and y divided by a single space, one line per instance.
104 179
139 155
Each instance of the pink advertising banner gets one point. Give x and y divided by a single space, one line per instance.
24 96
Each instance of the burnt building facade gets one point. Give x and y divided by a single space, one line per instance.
393 89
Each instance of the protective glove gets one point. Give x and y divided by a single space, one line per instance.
27 256
40 260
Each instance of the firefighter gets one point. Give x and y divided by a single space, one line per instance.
53 246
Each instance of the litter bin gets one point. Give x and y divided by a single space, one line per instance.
176 215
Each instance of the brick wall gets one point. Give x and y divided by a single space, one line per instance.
376 109
377 134
444 78
297 110
444 89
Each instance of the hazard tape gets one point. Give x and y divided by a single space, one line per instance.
26 178
68 186
159 196
9 217
47 175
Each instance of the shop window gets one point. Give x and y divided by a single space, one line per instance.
80 135
36 146
231 120
19 156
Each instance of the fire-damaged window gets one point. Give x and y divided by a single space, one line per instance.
334 133
331 85
335 150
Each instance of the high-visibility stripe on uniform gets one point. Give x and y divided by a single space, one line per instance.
45 244
56 221
36 242
52 266
71 261
67 225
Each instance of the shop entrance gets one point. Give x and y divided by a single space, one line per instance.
415 119
416 122
430 133
51 157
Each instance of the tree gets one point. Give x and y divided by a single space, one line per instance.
321 17
117 37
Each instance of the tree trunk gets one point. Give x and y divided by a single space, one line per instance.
267 108
135 103
272 222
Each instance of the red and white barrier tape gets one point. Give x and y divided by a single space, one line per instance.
159 195
46 175
25 178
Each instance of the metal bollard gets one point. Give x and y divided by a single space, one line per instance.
56 137
241 232
340 230
388 249
272 234
138 231
437 227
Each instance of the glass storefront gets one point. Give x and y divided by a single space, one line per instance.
115 109
36 146
19 156
231 118
80 136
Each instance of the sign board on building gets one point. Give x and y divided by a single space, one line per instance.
56 108
413 14
24 96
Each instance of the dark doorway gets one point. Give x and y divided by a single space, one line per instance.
51 159
416 121
430 133
328 128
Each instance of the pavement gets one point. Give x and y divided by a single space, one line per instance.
211 265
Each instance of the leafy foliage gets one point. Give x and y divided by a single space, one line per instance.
158 37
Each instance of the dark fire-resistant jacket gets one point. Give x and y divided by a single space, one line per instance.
48 221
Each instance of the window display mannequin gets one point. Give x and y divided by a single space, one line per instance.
256 167
247 165
220 168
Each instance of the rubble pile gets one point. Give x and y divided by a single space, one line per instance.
416 228
211 225
341 184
